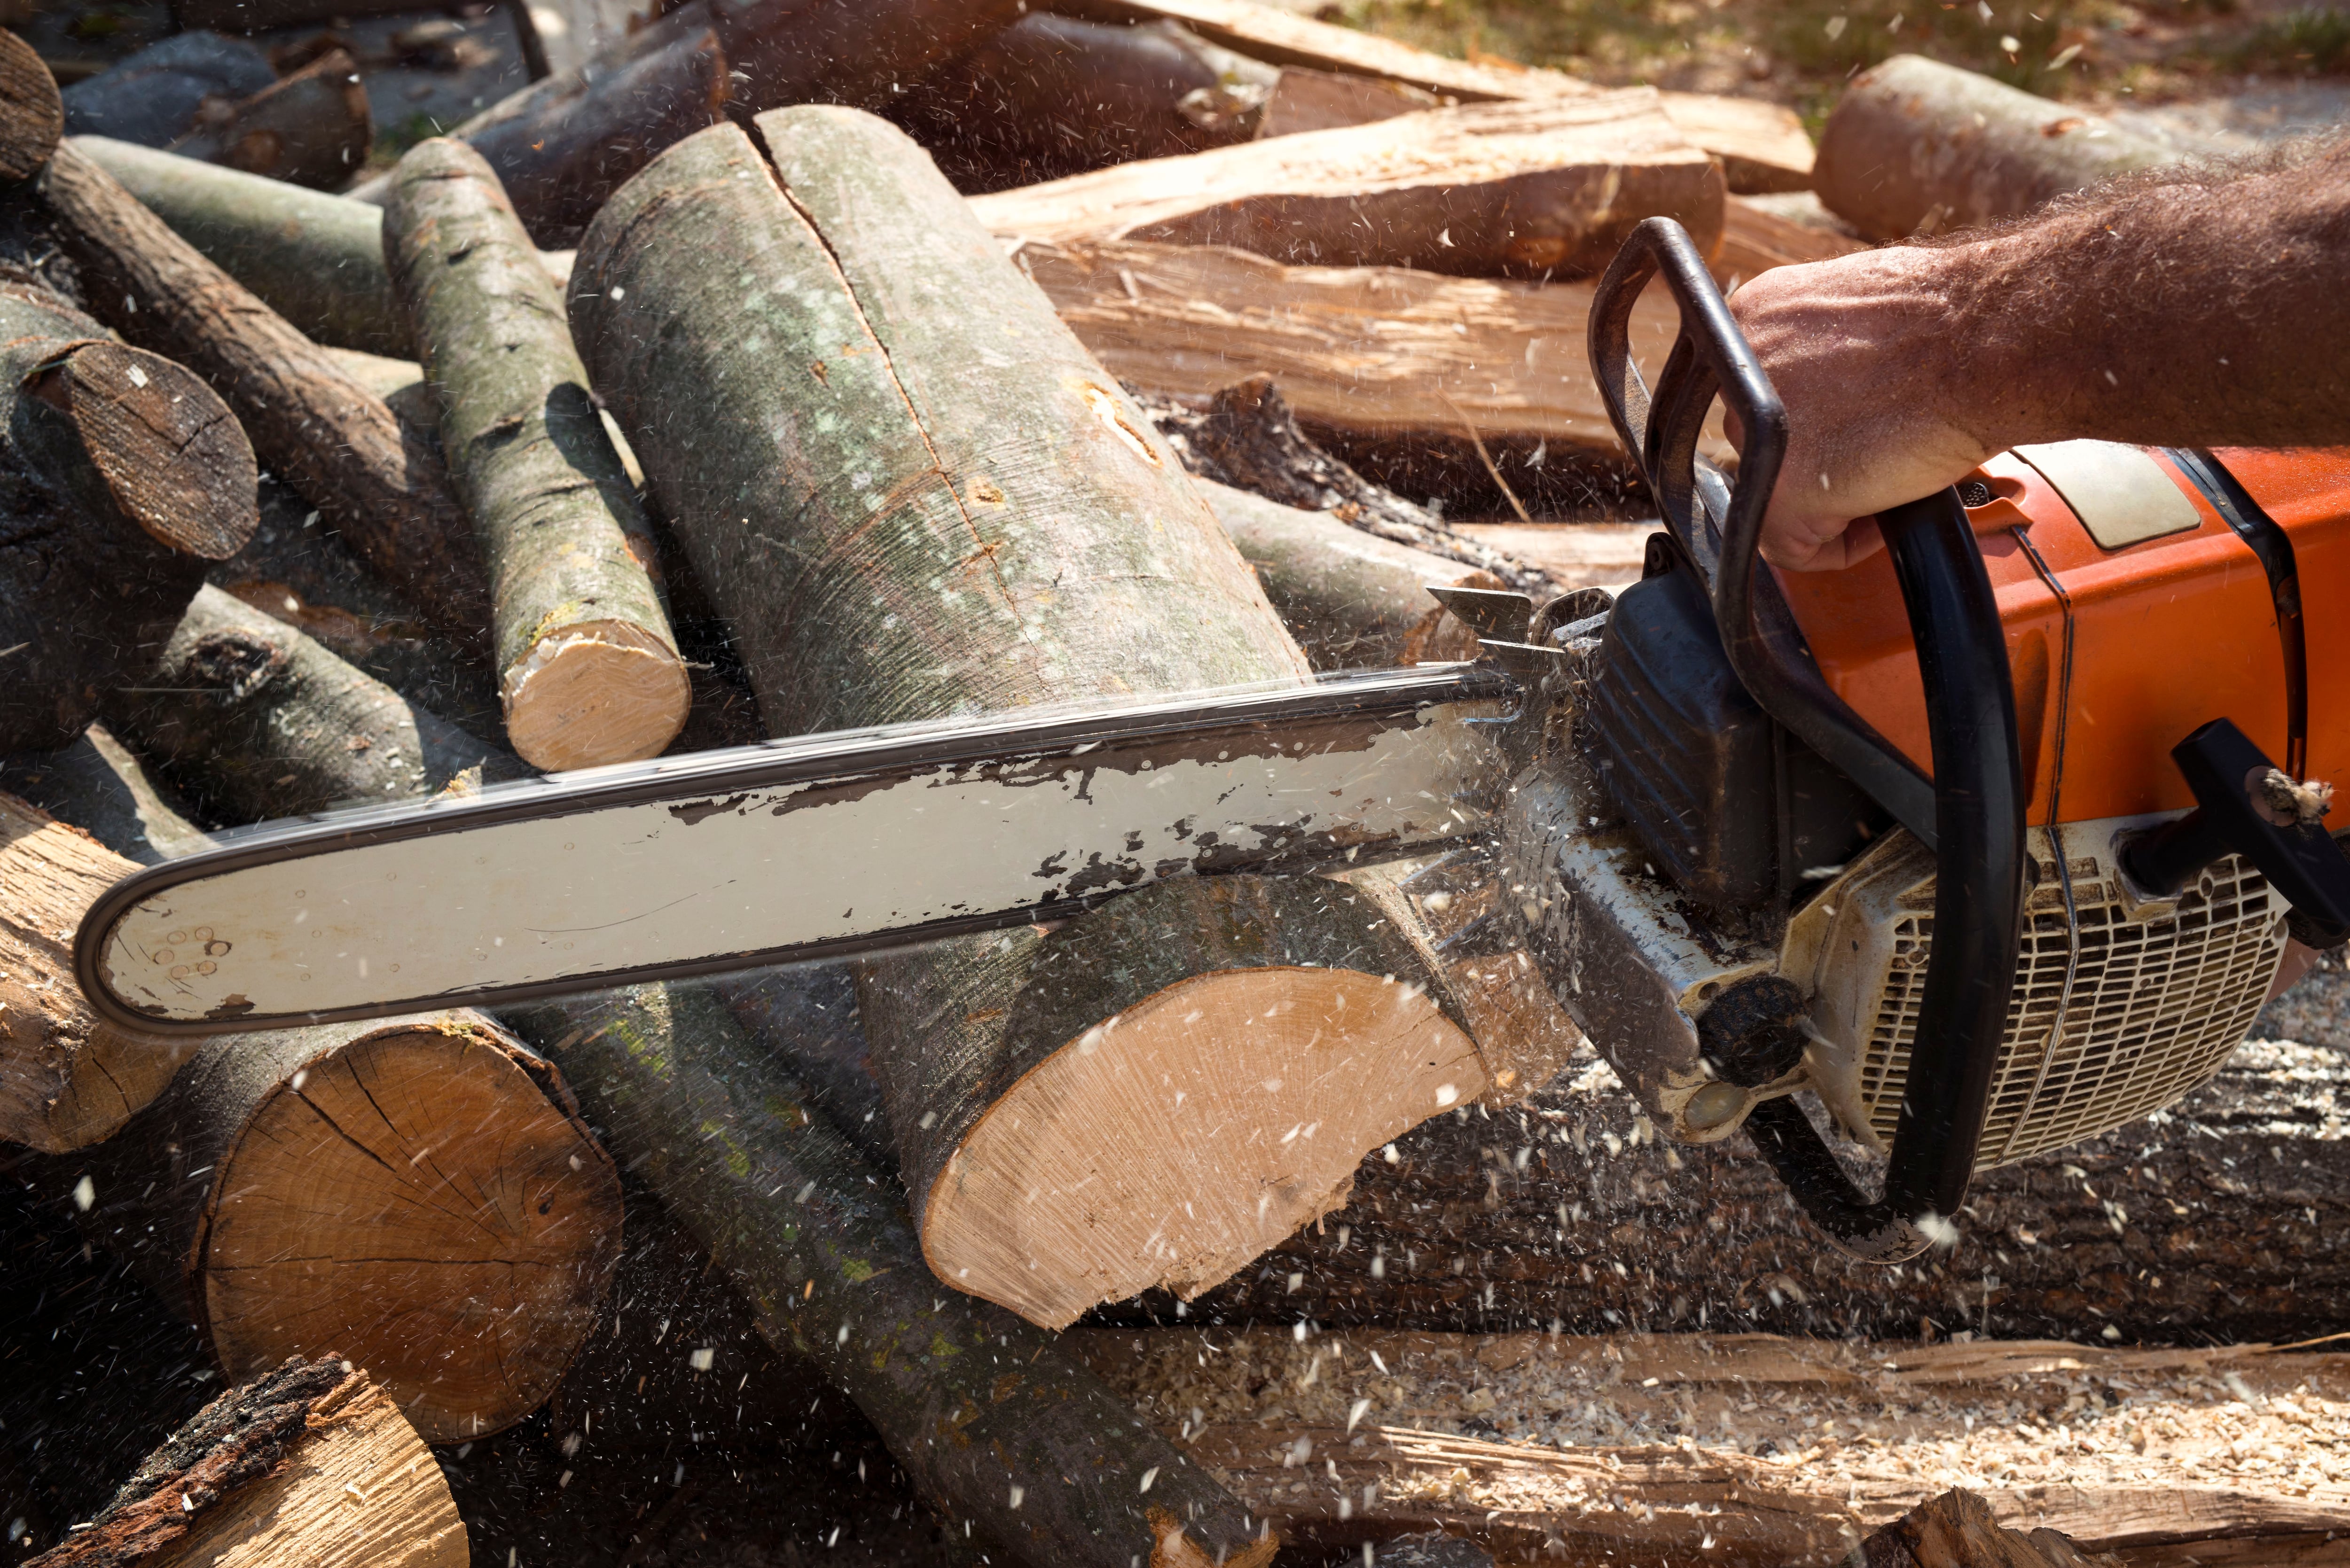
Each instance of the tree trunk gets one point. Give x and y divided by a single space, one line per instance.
309 422
311 128
151 97
1008 1434
1917 147
1051 96
315 259
416 1195
1530 189
253 720
589 669
1746 1450
32 114
271 1472
124 475
959 512
66 1080
99 787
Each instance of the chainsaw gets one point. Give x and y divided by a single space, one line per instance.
1991 843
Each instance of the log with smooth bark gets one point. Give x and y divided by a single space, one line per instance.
310 423
251 719
311 128
995 1425
945 511
124 475
315 259
66 1078
1530 189
152 97
310 1461
417 1195
1919 147
588 666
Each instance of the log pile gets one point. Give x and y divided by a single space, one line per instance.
1131 347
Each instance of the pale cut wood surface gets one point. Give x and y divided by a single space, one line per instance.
66 1080
1752 1450
1529 187
1576 554
1381 351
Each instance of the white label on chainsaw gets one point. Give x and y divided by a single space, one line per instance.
621 888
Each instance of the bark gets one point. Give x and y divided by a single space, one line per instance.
270 1471
312 129
152 97
993 1424
1917 147
314 259
310 423
253 720
32 114
1052 96
416 1195
1530 189
97 784
957 511
120 475
1750 1450
589 668
1956 1529
66 1079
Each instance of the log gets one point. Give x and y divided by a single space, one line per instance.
1304 99
66 1079
125 476
1527 189
1755 239
994 1424
310 1461
252 720
587 666
314 259
1029 538
309 422
1781 1453
32 114
1918 146
417 1195
151 95
312 129
97 784
1052 96
1956 1529
1762 146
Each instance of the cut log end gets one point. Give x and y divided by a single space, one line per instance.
173 457
479 1274
1224 1112
595 693
1172 1547
32 114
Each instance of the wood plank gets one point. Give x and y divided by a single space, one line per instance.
1748 1449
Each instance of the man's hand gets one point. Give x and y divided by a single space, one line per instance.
1879 407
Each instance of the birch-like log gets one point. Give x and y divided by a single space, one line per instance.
589 669
914 494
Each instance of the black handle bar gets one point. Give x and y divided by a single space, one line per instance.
1970 812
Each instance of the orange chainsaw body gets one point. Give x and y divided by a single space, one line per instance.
2165 635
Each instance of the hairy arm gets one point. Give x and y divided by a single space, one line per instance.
2207 309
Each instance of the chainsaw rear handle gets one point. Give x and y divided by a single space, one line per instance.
1970 812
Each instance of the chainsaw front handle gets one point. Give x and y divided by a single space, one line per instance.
1970 811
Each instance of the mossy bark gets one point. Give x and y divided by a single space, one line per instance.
589 668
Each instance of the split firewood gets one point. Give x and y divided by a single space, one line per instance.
994 1424
1754 239
253 720
312 129
1533 188
417 1194
97 785
309 422
1052 96
1303 99
587 666
66 1078
314 258
1748 1449
1762 145
311 1461
1918 146
912 552
152 97
126 476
